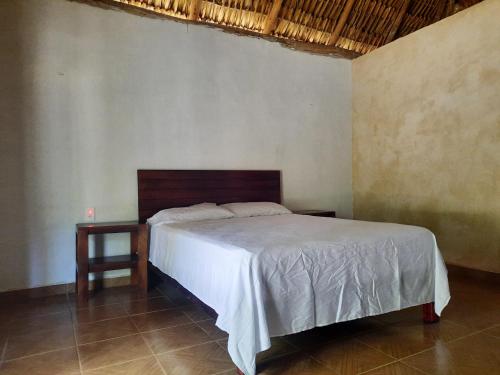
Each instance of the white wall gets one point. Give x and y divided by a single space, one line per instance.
88 96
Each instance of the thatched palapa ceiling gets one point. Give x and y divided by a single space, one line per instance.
346 28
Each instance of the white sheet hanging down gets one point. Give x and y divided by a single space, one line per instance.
275 275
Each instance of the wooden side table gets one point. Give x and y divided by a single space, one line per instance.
137 260
322 213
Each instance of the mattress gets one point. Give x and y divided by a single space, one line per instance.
270 276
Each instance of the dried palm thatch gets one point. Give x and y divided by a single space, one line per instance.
346 28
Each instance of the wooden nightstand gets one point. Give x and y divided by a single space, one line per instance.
137 260
315 213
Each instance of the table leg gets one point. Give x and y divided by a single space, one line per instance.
142 253
82 259
134 243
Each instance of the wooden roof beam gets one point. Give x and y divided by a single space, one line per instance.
272 18
450 8
441 10
399 19
194 10
341 23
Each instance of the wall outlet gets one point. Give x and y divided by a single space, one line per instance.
90 213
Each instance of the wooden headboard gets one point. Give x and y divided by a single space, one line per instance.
160 189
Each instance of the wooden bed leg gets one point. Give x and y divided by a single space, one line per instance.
239 372
428 313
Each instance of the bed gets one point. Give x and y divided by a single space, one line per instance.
270 276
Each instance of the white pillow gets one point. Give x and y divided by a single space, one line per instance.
256 209
202 211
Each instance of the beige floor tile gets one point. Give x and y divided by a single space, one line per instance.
148 305
3 343
41 300
144 366
5 319
61 362
97 313
349 356
279 347
160 319
476 287
178 337
473 314
412 314
394 369
114 351
196 313
407 338
494 331
223 343
203 359
104 329
473 304
295 365
7 313
45 324
132 293
96 298
39 323
39 342
472 355
173 294
212 330
38 306
316 336
51 309
309 338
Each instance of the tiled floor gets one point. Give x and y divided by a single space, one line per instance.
121 332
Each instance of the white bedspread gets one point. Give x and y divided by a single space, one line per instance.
274 275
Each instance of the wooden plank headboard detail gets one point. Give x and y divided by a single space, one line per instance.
160 189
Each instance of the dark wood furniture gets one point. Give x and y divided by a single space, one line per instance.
429 316
322 213
136 260
161 189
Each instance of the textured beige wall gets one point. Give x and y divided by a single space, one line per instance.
426 134
88 96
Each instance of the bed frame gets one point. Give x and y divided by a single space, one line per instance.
161 189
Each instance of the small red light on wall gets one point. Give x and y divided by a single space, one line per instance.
91 213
